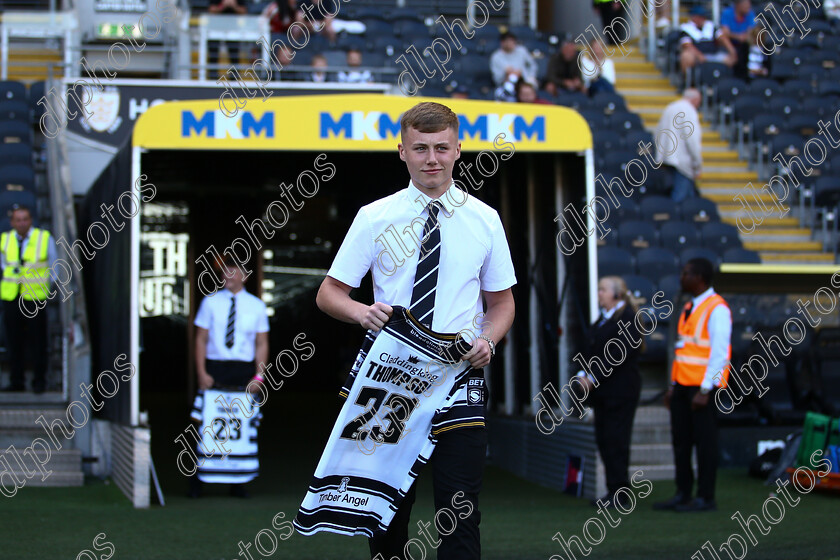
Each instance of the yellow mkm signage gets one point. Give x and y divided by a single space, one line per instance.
367 122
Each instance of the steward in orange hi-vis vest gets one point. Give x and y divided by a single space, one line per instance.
694 347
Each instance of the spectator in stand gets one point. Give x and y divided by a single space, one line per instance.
319 11
237 7
526 92
281 14
319 76
758 63
738 21
684 163
460 92
609 10
701 41
511 59
563 73
598 70
354 60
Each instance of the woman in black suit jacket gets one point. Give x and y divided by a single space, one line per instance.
614 395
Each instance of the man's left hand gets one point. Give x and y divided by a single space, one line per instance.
480 355
700 400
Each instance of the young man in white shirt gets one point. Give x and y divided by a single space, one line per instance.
474 263
231 342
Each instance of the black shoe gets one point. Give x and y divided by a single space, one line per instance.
672 503
13 389
605 498
697 504
238 491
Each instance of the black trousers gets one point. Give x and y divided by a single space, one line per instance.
694 428
608 14
613 432
230 374
26 335
458 466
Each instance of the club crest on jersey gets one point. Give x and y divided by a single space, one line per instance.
475 391
342 488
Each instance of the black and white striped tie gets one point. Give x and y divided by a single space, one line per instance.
231 322
425 278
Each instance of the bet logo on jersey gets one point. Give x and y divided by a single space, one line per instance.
475 391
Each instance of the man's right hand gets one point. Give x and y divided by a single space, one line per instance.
205 381
376 316
668 394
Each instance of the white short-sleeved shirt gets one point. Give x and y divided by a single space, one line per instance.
474 253
251 318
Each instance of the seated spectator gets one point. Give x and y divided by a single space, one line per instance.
461 91
281 14
701 41
511 59
563 73
526 92
758 63
598 70
354 60
319 76
287 72
237 7
832 9
318 11
737 21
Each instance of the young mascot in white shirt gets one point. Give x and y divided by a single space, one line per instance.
474 263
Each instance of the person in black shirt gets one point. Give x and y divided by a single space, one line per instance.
615 397
563 73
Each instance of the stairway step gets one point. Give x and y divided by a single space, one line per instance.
763 233
637 75
64 460
622 66
783 245
797 258
12 418
724 196
56 479
716 156
651 433
712 176
623 83
652 454
655 414
728 167
644 91
768 222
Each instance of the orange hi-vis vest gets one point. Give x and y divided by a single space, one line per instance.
694 345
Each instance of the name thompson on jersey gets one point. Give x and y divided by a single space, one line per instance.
401 371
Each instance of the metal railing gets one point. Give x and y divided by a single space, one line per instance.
62 26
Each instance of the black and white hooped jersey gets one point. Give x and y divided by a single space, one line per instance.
405 379
231 419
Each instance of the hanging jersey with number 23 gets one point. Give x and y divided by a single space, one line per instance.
405 377
232 419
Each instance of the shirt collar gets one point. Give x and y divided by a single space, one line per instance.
703 297
611 312
445 199
228 294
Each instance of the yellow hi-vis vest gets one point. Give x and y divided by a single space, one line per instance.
29 276
694 346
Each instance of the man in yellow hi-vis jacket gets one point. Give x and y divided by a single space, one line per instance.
26 254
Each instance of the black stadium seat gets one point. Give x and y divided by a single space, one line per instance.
14 154
670 286
11 90
624 121
699 210
609 103
655 262
699 252
738 255
636 234
36 93
17 178
15 132
641 289
658 209
719 237
23 198
677 236
14 111
613 261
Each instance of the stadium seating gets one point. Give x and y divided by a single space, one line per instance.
719 236
655 262
636 234
677 236
658 209
699 252
15 153
15 132
14 110
739 255
17 178
699 210
640 288
613 261
10 198
12 91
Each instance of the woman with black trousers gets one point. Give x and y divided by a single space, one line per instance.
614 394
